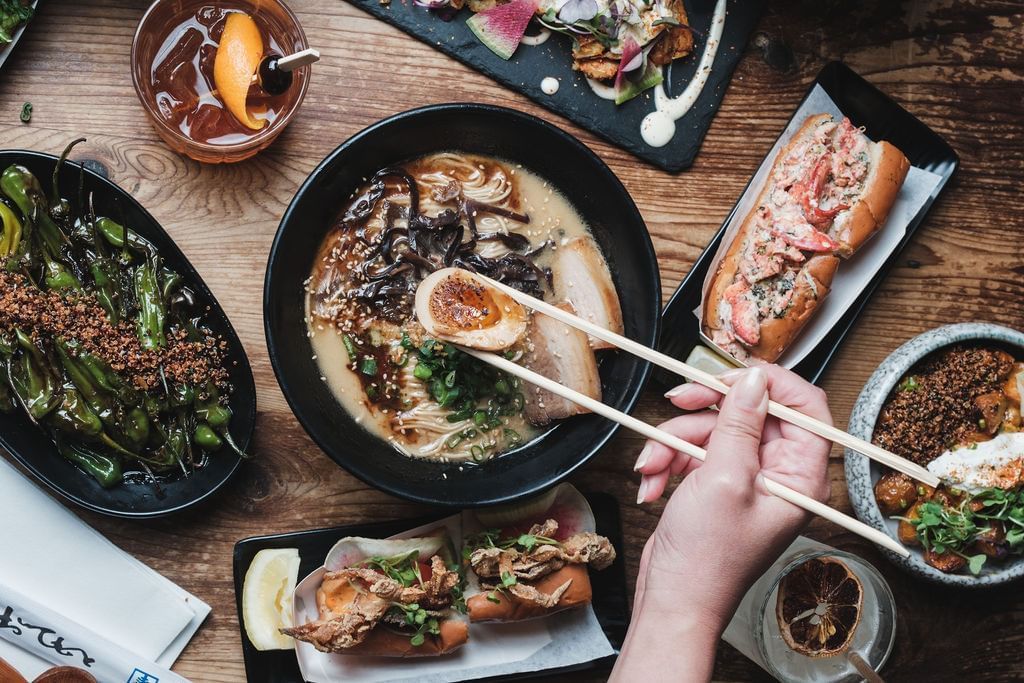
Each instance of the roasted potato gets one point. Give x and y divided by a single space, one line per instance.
895 492
991 407
948 561
992 542
905 532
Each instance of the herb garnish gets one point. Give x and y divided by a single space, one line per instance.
472 390
954 529
491 538
910 383
405 569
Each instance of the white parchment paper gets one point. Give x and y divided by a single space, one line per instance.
564 639
854 273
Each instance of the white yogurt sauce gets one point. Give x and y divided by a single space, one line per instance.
549 86
659 127
537 39
997 463
601 90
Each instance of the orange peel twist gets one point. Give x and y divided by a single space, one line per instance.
238 56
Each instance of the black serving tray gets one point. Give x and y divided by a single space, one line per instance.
33 448
883 119
574 100
611 604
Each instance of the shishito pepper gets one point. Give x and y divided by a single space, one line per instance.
118 236
22 188
73 415
210 410
10 240
152 311
32 379
60 208
128 423
105 469
206 438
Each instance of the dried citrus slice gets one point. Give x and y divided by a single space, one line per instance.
238 56
818 607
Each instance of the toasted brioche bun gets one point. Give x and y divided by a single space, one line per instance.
730 262
778 333
855 226
851 229
386 642
511 608
336 594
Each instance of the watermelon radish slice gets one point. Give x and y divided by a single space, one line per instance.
632 59
565 504
352 549
502 27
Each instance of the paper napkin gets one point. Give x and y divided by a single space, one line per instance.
57 560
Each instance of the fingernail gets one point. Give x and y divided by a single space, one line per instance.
642 493
732 374
677 391
750 390
641 459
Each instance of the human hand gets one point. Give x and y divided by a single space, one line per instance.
721 528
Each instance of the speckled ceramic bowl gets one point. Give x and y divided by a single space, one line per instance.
862 473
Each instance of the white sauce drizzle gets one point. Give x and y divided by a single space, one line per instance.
659 127
537 39
601 90
549 86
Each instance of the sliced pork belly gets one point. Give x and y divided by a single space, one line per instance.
561 353
581 276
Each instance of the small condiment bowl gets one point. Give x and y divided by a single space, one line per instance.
862 473
153 30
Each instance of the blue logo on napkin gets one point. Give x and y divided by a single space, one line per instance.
141 677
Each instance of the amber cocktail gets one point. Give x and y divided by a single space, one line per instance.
193 63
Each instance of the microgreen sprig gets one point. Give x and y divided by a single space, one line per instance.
403 568
941 528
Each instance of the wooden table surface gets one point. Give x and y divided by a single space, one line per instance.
959 66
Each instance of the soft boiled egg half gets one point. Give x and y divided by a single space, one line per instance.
458 306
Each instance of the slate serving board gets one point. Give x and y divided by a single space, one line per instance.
611 604
620 125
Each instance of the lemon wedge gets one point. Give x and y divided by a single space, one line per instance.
707 360
238 56
267 597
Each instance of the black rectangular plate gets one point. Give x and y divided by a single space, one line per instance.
611 604
867 106
574 100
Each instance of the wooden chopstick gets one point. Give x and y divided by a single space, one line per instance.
674 442
779 410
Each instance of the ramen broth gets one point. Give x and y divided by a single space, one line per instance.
402 411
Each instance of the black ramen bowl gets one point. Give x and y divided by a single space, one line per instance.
33 448
515 137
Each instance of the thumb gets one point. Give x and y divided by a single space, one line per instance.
736 441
